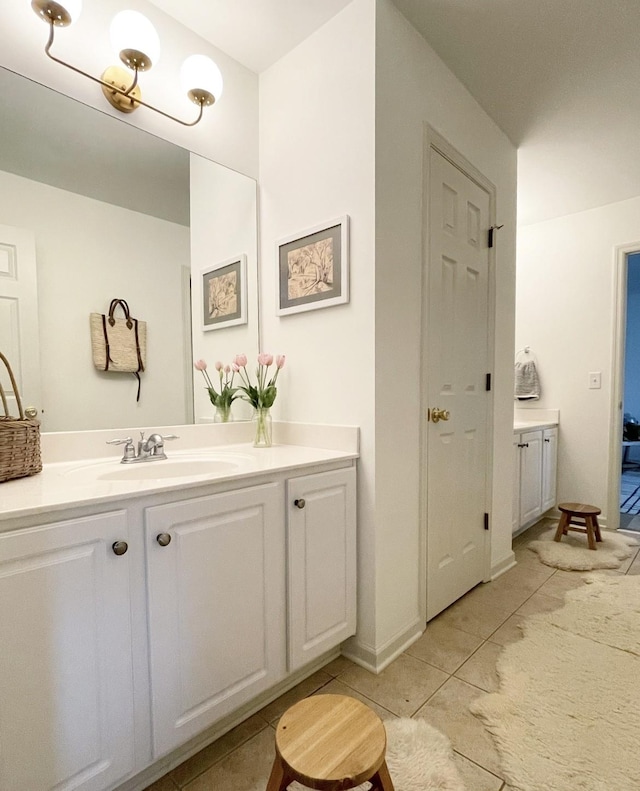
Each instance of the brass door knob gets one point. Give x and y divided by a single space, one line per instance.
299 503
438 414
164 539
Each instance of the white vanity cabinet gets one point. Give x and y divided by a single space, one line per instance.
216 590
535 473
66 690
131 635
321 541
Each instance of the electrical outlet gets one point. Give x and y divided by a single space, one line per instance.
595 380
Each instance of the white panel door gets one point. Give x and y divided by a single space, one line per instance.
66 667
216 595
322 563
19 340
530 476
457 365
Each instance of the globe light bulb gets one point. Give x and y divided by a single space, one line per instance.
201 79
135 40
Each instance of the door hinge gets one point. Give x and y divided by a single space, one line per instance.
486 521
487 385
491 236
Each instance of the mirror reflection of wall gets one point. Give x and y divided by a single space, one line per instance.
110 210
223 228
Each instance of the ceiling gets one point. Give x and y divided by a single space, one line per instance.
561 79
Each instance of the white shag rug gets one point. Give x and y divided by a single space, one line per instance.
572 553
419 757
567 714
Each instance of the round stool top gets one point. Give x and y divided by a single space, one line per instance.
328 740
579 508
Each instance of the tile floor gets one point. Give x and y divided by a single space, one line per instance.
435 679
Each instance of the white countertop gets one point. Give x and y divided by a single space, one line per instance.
532 418
532 425
72 484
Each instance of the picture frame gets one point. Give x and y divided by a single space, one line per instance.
313 268
224 294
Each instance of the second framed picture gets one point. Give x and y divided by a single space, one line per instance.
224 294
313 268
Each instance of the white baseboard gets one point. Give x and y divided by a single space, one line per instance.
503 565
375 660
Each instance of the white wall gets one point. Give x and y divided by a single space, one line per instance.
326 151
89 252
415 88
317 118
223 226
565 312
229 131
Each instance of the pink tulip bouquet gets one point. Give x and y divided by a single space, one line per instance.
221 400
263 393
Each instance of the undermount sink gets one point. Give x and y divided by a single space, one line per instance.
165 469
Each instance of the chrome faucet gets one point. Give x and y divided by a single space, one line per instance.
150 449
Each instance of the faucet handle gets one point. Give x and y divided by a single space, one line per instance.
129 450
170 436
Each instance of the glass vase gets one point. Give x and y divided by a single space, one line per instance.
262 423
223 414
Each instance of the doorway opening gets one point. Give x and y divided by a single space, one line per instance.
630 454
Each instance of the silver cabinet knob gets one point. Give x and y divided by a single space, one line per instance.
31 412
120 547
299 503
164 539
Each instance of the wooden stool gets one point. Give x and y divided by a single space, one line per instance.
585 517
330 743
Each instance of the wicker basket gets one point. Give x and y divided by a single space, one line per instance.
19 438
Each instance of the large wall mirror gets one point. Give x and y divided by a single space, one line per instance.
92 209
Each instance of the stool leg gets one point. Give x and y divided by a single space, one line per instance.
278 780
591 538
596 527
381 781
562 526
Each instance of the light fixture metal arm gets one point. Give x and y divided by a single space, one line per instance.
109 86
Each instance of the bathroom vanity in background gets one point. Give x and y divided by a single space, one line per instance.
535 468
144 616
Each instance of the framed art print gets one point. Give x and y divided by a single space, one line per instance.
224 294
313 268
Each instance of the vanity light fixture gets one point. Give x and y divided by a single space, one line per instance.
135 40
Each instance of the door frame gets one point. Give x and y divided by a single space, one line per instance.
433 139
620 270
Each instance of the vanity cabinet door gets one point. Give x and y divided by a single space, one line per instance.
515 502
66 695
321 523
216 600
549 467
530 476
